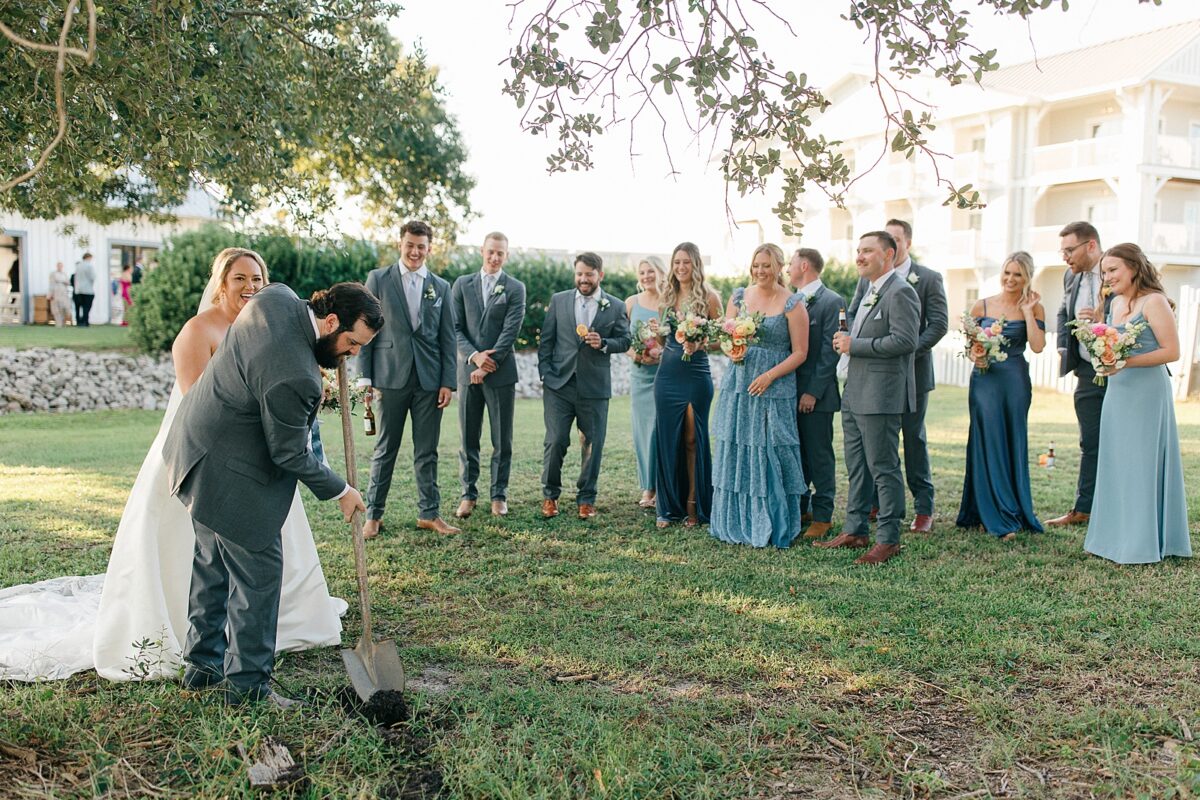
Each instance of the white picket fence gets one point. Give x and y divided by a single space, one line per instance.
954 370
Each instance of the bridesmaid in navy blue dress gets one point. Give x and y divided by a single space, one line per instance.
683 392
996 491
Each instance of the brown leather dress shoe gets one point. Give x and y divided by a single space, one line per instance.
371 528
878 554
437 524
586 511
499 508
845 540
923 523
549 508
464 509
817 530
1072 517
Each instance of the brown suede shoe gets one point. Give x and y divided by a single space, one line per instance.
371 528
923 523
499 508
817 530
1072 517
464 509
845 540
549 508
878 554
437 524
587 511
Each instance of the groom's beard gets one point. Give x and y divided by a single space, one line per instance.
326 351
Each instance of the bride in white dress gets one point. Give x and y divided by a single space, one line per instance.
130 623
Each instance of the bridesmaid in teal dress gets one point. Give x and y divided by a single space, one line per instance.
758 481
1140 512
643 308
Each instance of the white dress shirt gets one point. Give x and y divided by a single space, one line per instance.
809 289
486 291
1088 297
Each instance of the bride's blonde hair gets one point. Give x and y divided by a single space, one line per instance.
221 266
696 301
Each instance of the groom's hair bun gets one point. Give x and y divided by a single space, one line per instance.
350 301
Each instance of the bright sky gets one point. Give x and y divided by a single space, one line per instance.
634 205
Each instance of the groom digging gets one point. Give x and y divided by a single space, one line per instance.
238 446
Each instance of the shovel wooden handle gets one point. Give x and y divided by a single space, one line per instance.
360 544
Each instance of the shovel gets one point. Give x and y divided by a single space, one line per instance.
372 666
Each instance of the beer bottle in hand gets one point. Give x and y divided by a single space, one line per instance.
842 326
369 421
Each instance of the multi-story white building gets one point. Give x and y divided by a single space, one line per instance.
30 249
1109 133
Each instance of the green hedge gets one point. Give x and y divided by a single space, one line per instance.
168 296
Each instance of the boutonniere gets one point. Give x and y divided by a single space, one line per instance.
871 299
430 294
499 289
913 278
603 303
809 299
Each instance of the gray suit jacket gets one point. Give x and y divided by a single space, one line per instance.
1071 360
389 359
818 374
239 441
493 326
881 379
935 319
85 278
562 353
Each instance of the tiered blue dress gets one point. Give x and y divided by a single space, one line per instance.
757 477
641 404
1139 514
996 491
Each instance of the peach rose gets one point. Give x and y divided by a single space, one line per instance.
680 336
978 350
1109 358
737 352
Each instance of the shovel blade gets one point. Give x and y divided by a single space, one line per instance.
374 667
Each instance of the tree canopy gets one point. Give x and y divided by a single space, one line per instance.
582 67
116 109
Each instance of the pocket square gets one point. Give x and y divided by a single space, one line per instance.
437 303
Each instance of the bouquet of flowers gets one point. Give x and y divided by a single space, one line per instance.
692 328
736 334
329 385
1108 346
646 342
984 343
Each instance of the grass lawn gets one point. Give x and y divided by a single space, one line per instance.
93 337
602 659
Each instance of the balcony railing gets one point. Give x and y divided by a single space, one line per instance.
1178 151
1175 238
1081 154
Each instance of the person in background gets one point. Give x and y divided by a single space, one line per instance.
996 491
60 295
84 281
126 291
642 309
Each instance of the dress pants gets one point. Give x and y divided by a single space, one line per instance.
819 464
83 309
872 444
1089 401
394 409
917 472
500 402
561 407
236 589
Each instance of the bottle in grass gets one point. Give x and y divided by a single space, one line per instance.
1050 457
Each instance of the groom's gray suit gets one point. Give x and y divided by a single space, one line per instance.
238 445
408 363
487 324
880 388
577 379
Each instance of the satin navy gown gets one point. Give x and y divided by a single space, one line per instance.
996 490
677 385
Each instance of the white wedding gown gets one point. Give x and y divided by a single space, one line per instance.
53 629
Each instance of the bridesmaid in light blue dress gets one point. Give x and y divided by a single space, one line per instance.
642 308
758 481
1140 512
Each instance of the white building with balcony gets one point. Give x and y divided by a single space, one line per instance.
1109 134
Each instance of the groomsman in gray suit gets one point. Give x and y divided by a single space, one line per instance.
583 327
489 307
817 388
935 321
233 456
1083 299
412 370
880 389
